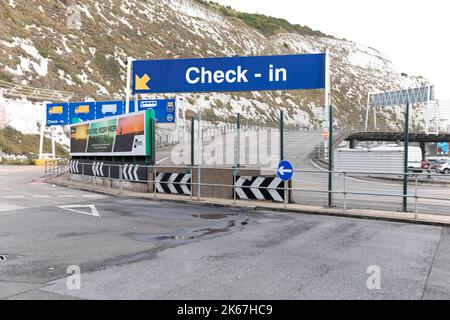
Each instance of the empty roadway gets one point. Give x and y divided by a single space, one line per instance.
156 250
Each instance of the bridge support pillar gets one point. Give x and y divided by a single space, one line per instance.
353 143
423 149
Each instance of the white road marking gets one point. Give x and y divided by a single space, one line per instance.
162 160
75 208
67 196
41 197
92 196
14 197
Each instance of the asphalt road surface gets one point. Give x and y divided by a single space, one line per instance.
138 249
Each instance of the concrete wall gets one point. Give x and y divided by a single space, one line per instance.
219 180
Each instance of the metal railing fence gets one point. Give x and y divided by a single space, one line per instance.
344 191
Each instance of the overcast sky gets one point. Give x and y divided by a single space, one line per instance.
415 34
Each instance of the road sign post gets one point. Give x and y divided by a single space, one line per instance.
330 159
238 133
281 135
406 160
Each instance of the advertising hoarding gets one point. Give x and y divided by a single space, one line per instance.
124 135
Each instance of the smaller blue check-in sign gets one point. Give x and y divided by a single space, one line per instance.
164 109
81 111
57 114
105 109
285 171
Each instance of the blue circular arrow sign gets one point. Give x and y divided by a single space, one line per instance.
285 171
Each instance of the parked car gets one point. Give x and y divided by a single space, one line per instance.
444 167
430 165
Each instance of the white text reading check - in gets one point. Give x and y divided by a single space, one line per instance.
196 75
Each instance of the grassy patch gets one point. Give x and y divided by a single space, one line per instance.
15 142
267 25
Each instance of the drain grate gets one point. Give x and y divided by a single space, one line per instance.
2 258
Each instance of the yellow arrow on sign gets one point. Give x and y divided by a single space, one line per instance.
141 83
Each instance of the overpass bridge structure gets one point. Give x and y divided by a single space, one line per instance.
420 137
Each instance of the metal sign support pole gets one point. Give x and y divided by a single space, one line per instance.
405 162
128 88
366 127
330 125
53 143
281 135
238 134
192 142
41 139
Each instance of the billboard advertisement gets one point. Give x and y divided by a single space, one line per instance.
124 135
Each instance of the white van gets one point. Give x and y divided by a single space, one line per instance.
414 156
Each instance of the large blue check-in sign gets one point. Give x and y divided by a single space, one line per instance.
285 72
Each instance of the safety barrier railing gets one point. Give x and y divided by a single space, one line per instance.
55 168
342 186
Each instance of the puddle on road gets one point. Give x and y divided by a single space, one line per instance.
188 235
214 216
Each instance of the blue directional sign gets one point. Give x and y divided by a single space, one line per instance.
57 114
443 148
81 111
69 113
286 72
164 109
285 171
109 108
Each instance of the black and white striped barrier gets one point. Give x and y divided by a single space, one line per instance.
259 188
173 183
97 169
129 172
73 166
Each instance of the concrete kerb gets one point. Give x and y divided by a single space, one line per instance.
423 219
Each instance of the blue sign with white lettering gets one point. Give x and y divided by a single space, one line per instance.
109 108
81 111
57 114
164 109
285 171
69 113
286 72
443 148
